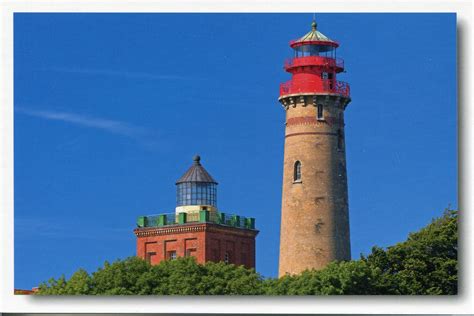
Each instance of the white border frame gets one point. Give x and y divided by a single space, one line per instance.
348 304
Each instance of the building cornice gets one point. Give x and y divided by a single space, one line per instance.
193 228
312 99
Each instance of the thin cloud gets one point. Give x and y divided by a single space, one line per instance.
52 228
111 126
125 74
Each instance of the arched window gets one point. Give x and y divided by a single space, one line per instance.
340 139
320 112
297 172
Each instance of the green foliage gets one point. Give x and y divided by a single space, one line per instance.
134 276
230 279
53 287
347 278
119 278
425 264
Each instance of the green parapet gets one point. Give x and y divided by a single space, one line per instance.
222 218
235 221
162 220
182 218
204 216
250 223
142 221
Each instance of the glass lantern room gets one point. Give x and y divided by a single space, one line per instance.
314 50
314 43
196 187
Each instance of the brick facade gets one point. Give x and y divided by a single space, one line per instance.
315 211
204 241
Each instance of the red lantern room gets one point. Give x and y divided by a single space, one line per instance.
314 66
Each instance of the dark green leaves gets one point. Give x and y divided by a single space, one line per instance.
425 264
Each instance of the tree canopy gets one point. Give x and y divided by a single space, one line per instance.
424 264
134 276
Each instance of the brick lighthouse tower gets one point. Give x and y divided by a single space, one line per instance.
315 213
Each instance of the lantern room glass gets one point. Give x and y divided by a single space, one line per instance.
314 50
196 193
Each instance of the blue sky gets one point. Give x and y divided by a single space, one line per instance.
111 108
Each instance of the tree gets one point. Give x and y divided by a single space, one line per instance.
80 283
424 264
134 276
120 277
224 278
338 278
53 287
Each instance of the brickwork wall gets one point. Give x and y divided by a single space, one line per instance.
241 249
206 242
315 214
157 247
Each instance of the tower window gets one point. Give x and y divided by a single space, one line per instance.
340 139
227 257
320 112
172 255
297 172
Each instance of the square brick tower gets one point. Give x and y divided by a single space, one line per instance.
315 209
197 228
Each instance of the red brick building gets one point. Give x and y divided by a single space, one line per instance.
197 228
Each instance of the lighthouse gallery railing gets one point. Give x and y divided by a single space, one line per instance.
168 219
314 61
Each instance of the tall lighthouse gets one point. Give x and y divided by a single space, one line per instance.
314 212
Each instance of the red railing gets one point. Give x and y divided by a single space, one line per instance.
314 61
323 86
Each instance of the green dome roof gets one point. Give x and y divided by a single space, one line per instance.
314 36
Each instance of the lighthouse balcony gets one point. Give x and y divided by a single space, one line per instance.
324 86
316 61
172 219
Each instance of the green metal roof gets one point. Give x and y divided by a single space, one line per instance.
196 173
313 35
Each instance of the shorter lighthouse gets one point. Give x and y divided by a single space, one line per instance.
197 228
